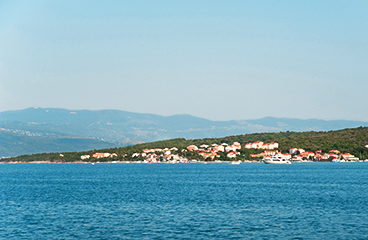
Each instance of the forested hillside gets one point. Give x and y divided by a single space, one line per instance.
346 141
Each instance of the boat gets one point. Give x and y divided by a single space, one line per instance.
335 160
276 160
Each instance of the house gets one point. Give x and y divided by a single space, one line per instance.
297 158
148 150
230 148
353 158
346 155
209 155
274 145
261 145
236 145
232 154
152 155
327 156
270 153
262 154
286 155
317 157
257 144
136 155
248 145
306 154
83 157
169 157
334 152
349 157
99 155
271 145
192 148
219 148
293 150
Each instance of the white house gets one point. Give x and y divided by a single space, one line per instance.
271 145
287 156
232 154
248 145
83 157
219 148
236 145
293 150
301 150
230 148
270 153
257 144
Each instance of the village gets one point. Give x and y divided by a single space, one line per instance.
216 153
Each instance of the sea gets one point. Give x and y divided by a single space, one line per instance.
184 201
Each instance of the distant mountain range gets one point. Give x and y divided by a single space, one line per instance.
36 130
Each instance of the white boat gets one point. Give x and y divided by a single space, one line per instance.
276 160
235 162
335 160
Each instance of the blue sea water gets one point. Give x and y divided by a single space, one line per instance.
184 201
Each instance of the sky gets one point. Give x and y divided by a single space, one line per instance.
219 60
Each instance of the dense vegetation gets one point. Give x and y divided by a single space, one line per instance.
346 141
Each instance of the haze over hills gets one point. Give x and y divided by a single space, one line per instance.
36 130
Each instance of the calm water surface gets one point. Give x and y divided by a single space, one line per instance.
184 201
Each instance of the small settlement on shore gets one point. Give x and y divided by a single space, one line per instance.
231 151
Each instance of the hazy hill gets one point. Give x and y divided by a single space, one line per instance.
23 131
13 144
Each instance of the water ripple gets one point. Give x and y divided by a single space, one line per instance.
184 201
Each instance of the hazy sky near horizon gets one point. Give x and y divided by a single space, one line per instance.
220 60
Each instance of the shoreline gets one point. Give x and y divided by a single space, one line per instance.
137 162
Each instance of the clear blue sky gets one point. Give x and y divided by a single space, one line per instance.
218 60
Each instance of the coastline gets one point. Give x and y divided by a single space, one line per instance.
137 162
